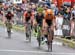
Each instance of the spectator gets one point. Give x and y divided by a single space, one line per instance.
73 13
61 10
59 23
56 11
23 6
67 14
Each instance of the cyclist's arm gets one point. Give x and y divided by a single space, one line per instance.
34 21
32 18
54 22
24 17
44 23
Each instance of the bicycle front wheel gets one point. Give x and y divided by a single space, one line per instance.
28 32
39 36
50 39
9 34
49 46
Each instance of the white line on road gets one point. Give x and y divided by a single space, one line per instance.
22 51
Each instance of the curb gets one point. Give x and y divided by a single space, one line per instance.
66 42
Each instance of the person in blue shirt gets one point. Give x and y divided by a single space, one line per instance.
48 3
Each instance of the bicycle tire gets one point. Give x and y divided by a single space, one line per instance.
50 47
9 26
28 32
27 36
50 33
39 36
39 41
30 35
9 34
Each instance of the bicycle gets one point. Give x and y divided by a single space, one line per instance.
28 31
38 34
49 38
9 27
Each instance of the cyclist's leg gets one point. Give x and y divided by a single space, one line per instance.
9 27
49 23
26 28
50 35
35 28
28 23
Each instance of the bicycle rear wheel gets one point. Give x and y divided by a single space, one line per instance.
9 33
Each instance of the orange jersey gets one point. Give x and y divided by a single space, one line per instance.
26 15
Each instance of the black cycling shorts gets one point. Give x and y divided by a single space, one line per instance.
39 22
27 19
49 22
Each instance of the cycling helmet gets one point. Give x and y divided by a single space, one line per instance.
40 10
49 11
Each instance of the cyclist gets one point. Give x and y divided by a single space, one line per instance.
49 19
8 22
27 18
39 17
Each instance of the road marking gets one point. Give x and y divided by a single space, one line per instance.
22 51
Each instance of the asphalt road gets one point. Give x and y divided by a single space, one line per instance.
17 45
